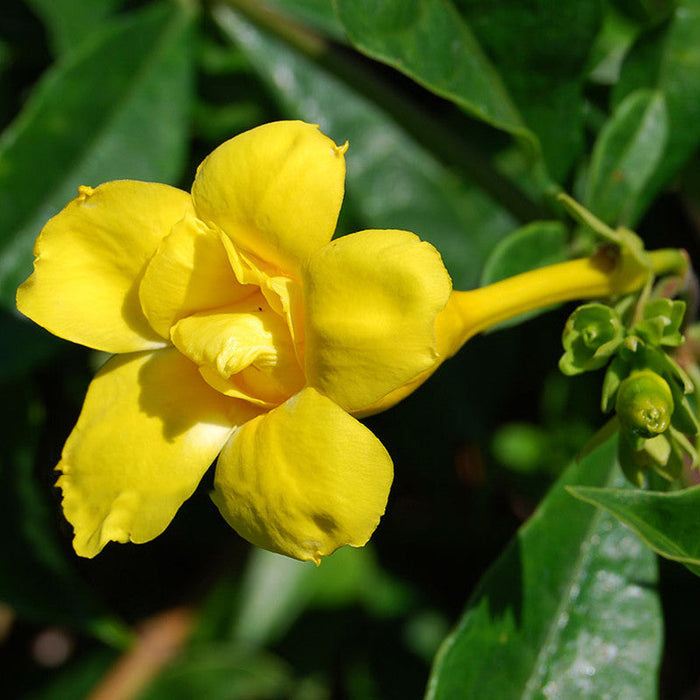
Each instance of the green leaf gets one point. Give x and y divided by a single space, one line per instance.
70 21
391 181
118 108
667 522
668 60
569 610
541 50
429 41
529 247
626 155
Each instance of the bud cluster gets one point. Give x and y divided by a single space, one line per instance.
651 394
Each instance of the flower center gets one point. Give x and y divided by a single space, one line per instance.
244 350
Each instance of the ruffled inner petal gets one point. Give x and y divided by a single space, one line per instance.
243 350
282 293
189 272
303 479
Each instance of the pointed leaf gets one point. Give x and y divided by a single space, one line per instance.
667 522
626 156
429 41
668 60
569 610
541 50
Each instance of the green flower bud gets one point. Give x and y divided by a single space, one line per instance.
661 323
644 404
591 336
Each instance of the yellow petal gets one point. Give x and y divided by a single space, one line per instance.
281 292
89 260
370 300
247 340
149 429
189 272
303 479
275 191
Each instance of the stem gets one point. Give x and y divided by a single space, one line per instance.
471 312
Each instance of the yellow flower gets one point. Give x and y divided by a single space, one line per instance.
240 330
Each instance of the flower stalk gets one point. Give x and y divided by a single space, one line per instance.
601 275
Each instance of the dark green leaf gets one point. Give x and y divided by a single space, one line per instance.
667 522
391 181
535 245
429 41
668 60
118 108
569 610
541 51
626 155
70 21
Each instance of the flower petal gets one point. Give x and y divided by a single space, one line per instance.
149 429
370 300
303 479
89 260
275 190
189 272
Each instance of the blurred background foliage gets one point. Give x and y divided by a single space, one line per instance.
464 118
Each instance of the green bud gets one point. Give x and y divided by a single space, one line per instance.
661 323
644 404
591 336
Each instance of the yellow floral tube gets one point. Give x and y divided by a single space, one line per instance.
244 334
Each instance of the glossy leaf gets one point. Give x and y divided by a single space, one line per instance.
541 50
666 521
529 247
569 609
668 60
430 42
391 181
626 155
118 108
